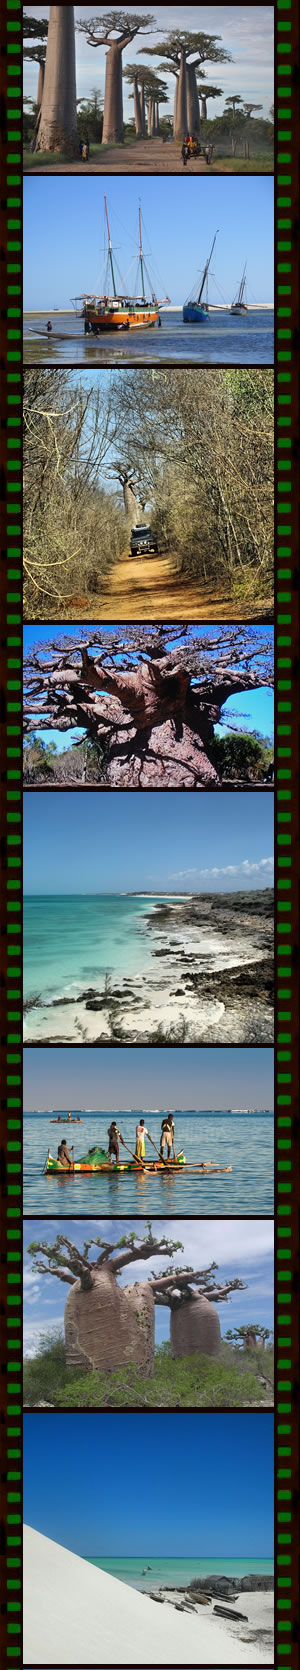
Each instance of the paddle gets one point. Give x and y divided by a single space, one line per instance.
160 1156
133 1156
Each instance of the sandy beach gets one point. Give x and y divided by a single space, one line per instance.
74 1613
208 976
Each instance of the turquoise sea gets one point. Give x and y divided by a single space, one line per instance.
244 1141
72 942
172 1572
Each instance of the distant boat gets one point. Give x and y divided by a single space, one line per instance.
239 305
196 312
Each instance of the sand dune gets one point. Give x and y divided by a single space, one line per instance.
75 1613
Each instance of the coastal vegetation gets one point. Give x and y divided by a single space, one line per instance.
145 712
229 1381
108 1355
200 450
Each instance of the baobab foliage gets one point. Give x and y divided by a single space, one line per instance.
147 699
200 449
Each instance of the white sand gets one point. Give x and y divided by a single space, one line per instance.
75 1613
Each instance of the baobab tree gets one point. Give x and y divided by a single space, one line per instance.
133 506
131 74
108 1326
153 708
251 1337
115 30
207 93
183 53
36 32
232 100
57 129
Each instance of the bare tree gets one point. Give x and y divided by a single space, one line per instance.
155 707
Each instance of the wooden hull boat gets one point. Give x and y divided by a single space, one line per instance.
103 316
102 1165
65 1121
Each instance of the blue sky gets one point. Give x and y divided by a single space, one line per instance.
217 1497
64 233
154 842
250 712
242 1248
140 1078
246 32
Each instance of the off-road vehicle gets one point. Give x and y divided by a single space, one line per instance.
142 540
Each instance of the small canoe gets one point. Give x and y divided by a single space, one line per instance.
65 1121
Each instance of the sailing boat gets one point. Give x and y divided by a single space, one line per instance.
117 311
196 312
239 306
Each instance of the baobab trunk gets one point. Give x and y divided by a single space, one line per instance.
203 110
137 109
58 126
195 1327
107 1326
175 106
40 85
193 108
181 101
150 118
143 107
156 757
157 128
113 97
133 509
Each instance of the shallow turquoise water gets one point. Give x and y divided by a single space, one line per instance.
246 1143
72 942
129 1569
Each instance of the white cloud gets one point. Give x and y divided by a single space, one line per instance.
242 869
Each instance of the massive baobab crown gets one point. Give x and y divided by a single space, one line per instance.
158 723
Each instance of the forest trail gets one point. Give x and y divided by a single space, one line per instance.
151 589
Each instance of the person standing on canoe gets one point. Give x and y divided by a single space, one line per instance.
167 1136
64 1156
141 1133
114 1136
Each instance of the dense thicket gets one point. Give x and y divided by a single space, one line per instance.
201 445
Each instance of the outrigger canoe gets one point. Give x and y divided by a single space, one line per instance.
97 1161
66 1121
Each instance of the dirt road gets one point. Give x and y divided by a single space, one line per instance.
148 156
150 589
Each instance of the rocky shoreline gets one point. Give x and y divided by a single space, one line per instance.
210 980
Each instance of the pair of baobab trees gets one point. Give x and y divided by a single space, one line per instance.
108 1326
183 55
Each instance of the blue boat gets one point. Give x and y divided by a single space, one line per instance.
196 312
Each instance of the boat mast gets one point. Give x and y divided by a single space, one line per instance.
110 248
141 253
206 268
242 285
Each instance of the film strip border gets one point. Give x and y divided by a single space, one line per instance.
11 815
286 264
286 830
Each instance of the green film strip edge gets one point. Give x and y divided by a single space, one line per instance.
13 818
283 548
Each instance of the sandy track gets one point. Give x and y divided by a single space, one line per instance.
151 590
149 156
